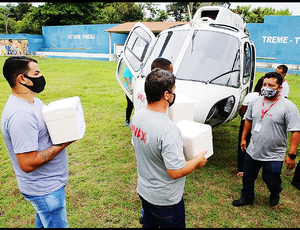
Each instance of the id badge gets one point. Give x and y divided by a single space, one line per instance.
257 127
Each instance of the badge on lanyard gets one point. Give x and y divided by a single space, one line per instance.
257 126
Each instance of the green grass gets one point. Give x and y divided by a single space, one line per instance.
101 192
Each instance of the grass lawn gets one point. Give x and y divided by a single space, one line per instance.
101 192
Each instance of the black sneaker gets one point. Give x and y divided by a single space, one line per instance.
274 199
141 220
296 185
241 202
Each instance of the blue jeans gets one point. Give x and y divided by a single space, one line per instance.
163 216
50 209
270 175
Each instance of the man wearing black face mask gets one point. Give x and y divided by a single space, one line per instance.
41 167
269 118
161 164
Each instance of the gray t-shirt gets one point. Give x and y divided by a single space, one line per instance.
269 144
24 130
158 147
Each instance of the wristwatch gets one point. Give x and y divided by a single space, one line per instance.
292 156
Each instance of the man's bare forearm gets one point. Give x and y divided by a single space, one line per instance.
32 160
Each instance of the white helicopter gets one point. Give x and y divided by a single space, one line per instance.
213 61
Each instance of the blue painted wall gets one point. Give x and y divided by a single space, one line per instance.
81 38
278 37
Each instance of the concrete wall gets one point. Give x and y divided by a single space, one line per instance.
277 41
80 41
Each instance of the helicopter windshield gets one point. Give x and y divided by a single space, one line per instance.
168 45
211 57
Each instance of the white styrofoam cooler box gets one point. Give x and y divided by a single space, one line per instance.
197 137
182 109
64 120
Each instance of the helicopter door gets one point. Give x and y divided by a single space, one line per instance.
248 70
248 65
136 48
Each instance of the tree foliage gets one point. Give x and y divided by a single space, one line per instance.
179 10
257 15
155 13
120 12
30 19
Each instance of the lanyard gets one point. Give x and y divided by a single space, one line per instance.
263 105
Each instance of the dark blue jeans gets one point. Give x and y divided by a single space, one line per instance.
163 216
241 153
271 171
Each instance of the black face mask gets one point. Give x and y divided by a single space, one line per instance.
171 103
38 83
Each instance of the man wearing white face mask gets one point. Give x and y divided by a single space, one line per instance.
41 168
269 118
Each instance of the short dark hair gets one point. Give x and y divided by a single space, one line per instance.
13 66
162 63
275 75
284 68
157 82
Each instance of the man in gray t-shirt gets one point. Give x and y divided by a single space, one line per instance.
41 167
270 118
161 164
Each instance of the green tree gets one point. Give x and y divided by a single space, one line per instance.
19 11
156 14
59 13
120 12
7 23
177 10
257 15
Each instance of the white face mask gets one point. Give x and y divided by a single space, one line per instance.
268 92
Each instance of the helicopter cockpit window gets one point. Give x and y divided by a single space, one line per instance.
167 46
135 50
247 62
125 76
211 57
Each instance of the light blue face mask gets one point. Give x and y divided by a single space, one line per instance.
268 92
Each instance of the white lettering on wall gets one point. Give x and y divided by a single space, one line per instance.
279 39
274 39
84 36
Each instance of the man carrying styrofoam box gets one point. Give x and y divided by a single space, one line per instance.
64 120
197 137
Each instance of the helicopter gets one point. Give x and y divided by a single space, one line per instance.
213 60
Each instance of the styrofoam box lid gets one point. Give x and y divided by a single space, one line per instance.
182 102
194 132
62 108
